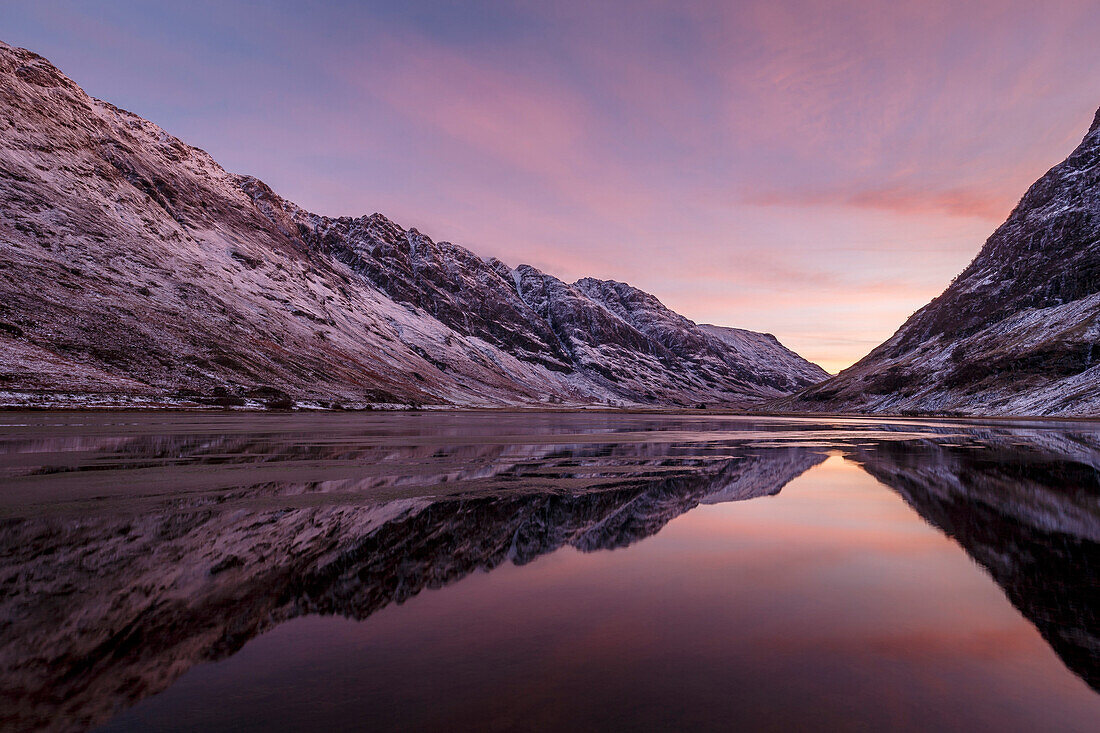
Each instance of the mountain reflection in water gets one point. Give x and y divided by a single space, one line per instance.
134 548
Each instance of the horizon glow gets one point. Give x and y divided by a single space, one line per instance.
813 171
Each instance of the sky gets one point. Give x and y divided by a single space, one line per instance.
816 170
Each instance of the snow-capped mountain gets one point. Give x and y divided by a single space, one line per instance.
1016 333
769 353
136 270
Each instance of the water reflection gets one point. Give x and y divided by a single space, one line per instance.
130 553
1028 511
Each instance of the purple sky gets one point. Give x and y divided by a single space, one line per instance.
818 170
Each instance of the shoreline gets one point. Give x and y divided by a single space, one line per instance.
521 410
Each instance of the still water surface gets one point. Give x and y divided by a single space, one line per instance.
547 572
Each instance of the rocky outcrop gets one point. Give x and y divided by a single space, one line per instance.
1016 333
136 270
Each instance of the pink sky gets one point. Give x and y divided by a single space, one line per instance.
816 170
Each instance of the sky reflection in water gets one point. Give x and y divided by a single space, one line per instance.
240 572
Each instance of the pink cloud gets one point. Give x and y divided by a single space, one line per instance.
990 205
809 168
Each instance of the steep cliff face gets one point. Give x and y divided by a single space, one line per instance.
136 270
1017 332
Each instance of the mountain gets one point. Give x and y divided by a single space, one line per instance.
136 270
1016 333
766 349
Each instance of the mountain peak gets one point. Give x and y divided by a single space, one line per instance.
32 68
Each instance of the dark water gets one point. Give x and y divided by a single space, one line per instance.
547 572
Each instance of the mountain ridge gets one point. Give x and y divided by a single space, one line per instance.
138 271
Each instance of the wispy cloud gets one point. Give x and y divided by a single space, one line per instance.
989 205
810 168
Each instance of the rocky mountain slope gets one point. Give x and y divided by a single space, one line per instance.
1016 333
764 347
136 270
